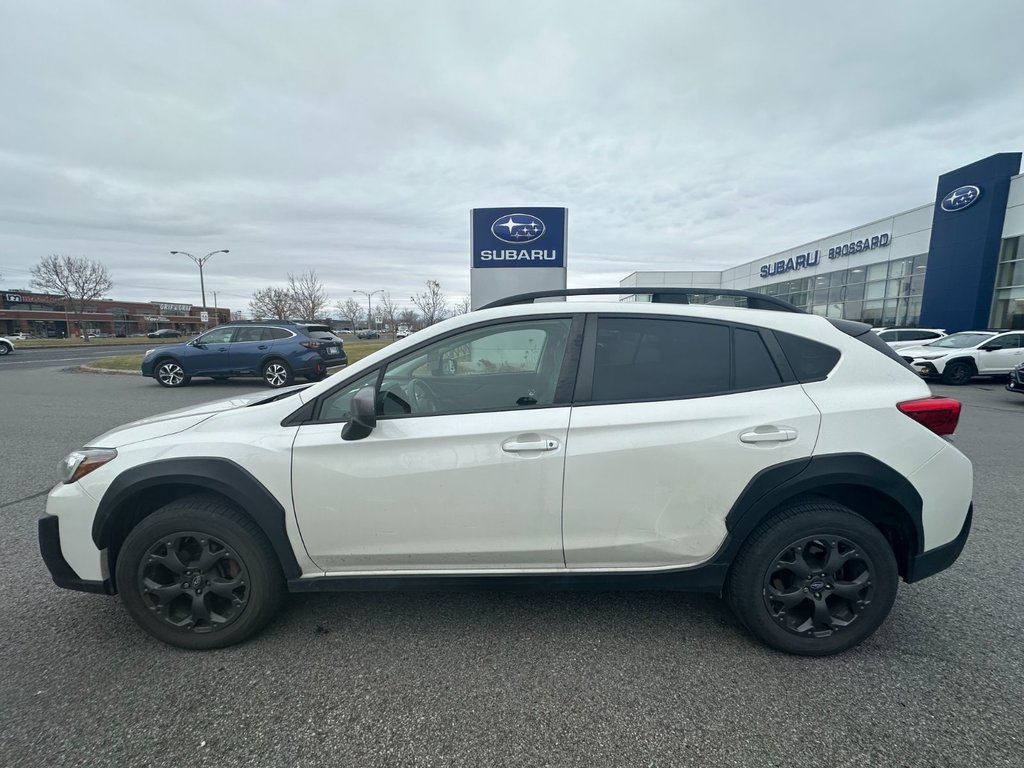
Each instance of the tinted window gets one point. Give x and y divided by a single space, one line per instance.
336 406
888 336
249 334
917 335
810 360
648 359
754 367
276 333
1010 341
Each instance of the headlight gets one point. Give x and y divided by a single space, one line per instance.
149 352
78 464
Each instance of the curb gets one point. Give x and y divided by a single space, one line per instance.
109 371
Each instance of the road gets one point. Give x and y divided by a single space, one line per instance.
48 357
484 679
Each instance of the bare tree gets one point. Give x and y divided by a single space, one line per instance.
462 307
409 317
272 304
78 279
388 311
431 303
308 294
352 310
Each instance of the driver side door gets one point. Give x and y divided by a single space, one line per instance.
463 470
209 353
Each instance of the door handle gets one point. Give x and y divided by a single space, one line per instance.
262 346
223 349
516 446
777 435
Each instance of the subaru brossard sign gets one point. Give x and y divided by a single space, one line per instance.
518 237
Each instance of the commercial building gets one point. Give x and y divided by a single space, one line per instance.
45 315
955 263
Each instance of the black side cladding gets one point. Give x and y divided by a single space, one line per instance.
863 332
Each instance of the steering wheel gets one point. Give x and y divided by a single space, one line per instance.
423 398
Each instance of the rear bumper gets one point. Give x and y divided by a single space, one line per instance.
63 574
939 559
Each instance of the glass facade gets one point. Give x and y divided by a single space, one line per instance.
884 294
1008 303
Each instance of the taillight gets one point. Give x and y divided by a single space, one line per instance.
939 414
310 344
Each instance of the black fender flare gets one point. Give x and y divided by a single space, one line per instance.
213 473
772 487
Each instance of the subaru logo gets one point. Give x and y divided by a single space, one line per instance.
961 198
817 586
518 228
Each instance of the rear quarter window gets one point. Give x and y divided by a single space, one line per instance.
810 360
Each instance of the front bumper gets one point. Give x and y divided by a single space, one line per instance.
939 559
924 368
63 574
1015 384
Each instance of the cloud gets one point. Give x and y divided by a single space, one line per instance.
354 138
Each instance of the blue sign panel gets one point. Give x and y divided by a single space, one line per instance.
518 237
967 227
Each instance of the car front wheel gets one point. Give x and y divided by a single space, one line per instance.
814 580
4 349
199 574
957 373
277 373
169 373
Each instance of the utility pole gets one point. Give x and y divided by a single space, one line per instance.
200 260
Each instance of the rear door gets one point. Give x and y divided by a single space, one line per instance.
251 344
672 419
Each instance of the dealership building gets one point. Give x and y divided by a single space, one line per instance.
955 263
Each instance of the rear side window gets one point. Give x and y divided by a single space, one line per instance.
270 334
249 334
654 359
889 336
810 360
754 368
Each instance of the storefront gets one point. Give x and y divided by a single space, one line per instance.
955 263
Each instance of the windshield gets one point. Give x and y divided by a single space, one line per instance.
961 340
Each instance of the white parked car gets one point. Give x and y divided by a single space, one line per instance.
790 462
897 338
6 346
959 357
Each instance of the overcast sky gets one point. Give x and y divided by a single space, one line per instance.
354 138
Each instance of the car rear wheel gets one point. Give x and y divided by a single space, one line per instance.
277 373
199 574
815 580
4 349
957 373
169 373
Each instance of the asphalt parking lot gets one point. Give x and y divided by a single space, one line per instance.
561 679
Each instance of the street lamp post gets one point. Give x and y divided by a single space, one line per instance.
369 307
200 260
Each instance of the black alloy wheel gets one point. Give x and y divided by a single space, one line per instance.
192 580
169 373
815 579
199 574
818 585
957 373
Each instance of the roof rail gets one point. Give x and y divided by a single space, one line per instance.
659 295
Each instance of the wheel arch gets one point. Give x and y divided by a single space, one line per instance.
969 360
140 491
869 487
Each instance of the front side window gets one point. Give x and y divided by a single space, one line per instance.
337 405
216 336
500 367
1009 341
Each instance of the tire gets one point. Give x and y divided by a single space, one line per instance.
277 373
957 373
814 615
5 349
231 585
169 373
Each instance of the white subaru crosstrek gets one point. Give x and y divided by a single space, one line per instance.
959 357
792 463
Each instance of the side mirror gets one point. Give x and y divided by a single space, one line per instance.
364 414
988 348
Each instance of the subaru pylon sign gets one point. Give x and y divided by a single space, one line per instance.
516 250
518 237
